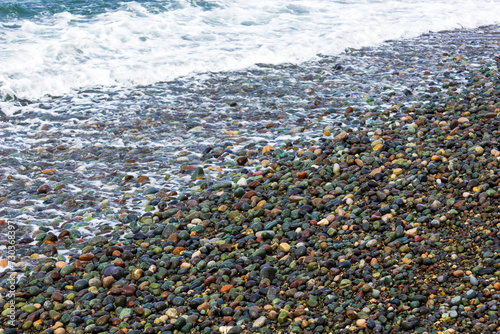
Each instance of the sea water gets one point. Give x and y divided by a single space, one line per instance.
56 47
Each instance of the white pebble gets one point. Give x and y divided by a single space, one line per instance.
336 168
242 182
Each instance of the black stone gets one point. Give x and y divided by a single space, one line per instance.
235 330
345 264
486 271
409 324
268 272
116 272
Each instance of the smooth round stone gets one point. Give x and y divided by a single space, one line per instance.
168 231
29 309
419 298
473 280
160 306
366 288
267 235
97 240
345 264
385 210
27 325
299 295
408 325
49 305
115 271
361 322
151 190
178 301
195 302
80 285
345 283
370 323
312 302
456 300
268 272
435 223
435 237
259 322
235 330
371 243
285 247
67 270
414 304
239 192
261 252
282 317
180 322
136 274
404 249
254 312
272 293
10 331
336 168
95 282
34 290
400 232
125 312
254 297
227 311
470 294
192 319
103 320
184 235
300 251
107 281
172 313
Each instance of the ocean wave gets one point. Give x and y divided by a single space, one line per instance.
139 43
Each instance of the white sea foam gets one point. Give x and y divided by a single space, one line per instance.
134 46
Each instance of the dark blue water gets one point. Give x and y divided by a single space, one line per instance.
32 10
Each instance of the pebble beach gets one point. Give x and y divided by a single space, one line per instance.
358 193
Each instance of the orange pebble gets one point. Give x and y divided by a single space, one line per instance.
302 175
60 264
116 253
177 250
119 263
226 288
78 264
86 257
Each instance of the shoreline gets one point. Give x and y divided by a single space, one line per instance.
356 193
